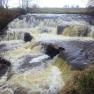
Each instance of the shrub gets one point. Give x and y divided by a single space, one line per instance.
82 82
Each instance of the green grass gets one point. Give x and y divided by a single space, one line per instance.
82 82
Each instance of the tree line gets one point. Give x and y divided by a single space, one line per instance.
22 3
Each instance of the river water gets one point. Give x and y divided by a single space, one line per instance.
32 71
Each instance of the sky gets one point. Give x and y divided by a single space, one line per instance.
51 3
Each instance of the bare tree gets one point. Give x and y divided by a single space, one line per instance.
4 3
25 3
90 3
1 3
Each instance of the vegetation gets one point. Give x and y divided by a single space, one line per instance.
82 82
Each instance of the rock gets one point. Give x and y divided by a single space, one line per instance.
76 30
91 22
78 53
6 92
77 50
27 37
4 66
53 50
21 90
28 62
45 30
91 33
60 29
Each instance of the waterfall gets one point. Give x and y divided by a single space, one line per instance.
49 23
13 36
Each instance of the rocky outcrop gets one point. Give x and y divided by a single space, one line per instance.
21 90
53 50
77 51
4 66
60 29
76 30
27 37
5 70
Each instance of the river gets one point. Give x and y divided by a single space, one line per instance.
32 70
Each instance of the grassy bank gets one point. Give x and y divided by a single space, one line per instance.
81 82
76 81
89 11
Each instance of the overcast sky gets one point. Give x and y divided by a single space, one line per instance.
51 3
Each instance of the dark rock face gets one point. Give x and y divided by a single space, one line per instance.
4 66
76 30
27 37
52 50
91 22
60 29
21 90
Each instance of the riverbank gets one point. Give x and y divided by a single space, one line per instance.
86 11
7 15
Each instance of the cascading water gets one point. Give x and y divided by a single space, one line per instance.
40 23
33 71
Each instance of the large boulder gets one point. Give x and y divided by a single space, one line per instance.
4 66
52 50
91 33
5 71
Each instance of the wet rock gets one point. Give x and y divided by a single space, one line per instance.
60 29
76 30
4 66
6 92
91 33
28 62
78 53
45 30
91 22
27 37
53 50
21 90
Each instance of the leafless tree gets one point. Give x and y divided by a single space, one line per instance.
4 3
25 3
90 3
